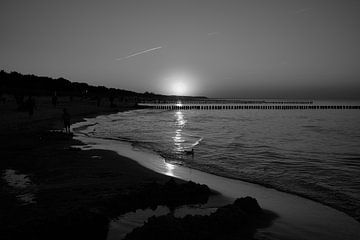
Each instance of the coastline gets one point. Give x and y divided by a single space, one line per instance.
300 218
68 180
347 206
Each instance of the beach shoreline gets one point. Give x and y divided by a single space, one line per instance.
349 208
66 176
158 164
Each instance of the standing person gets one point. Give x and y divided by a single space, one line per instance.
66 119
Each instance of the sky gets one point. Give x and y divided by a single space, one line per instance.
240 48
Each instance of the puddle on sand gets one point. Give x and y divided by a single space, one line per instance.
26 198
125 223
21 184
16 180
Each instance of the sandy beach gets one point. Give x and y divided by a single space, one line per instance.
181 120
64 180
76 184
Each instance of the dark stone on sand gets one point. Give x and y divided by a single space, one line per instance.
248 204
171 194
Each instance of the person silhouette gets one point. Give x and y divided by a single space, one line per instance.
66 119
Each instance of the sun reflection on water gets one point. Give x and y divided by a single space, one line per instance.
180 123
179 104
169 169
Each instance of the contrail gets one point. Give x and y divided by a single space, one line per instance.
138 53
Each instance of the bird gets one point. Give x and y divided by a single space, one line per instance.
189 152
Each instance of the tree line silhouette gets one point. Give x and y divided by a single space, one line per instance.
21 85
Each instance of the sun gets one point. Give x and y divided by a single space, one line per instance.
179 87
179 83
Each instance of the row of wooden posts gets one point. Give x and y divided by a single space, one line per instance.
224 102
260 107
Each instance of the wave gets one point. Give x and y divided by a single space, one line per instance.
278 151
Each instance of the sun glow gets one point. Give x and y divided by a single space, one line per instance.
180 84
179 87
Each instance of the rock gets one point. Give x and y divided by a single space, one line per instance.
248 204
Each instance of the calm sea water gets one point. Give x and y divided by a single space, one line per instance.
313 153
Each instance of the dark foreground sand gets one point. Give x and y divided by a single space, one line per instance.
75 192
66 181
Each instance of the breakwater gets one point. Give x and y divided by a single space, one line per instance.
247 106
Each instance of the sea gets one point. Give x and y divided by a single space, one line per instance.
312 153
